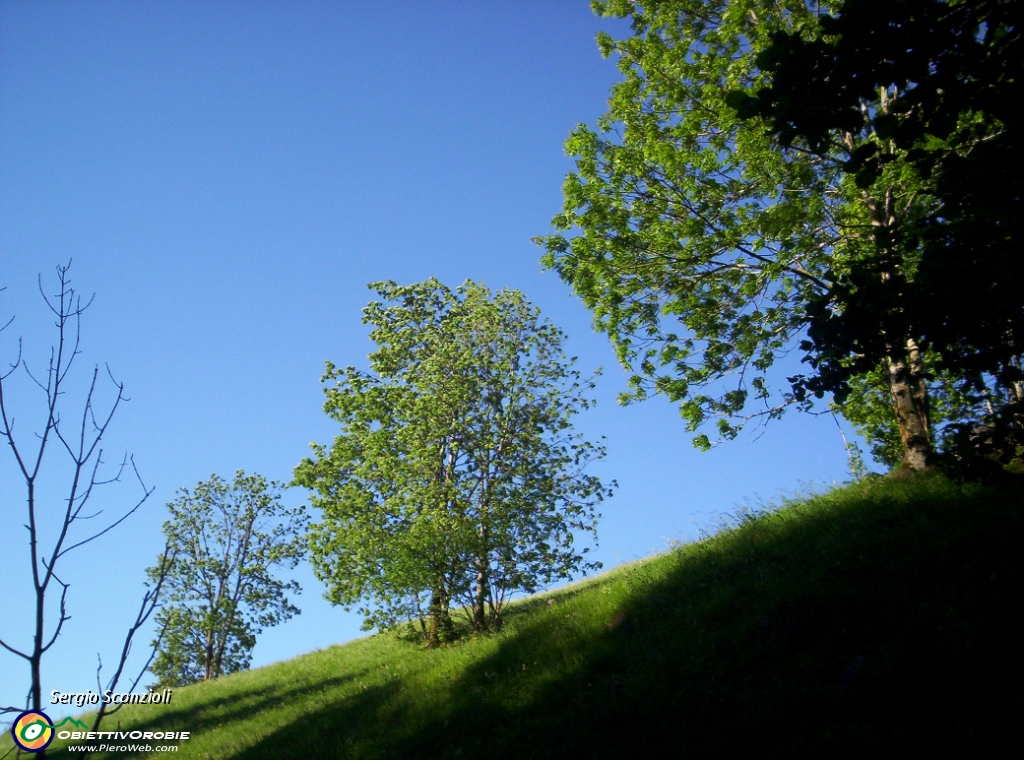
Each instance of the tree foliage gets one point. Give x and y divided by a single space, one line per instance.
227 538
869 408
927 87
698 241
457 477
709 241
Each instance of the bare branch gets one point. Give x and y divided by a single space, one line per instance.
82 447
110 527
150 601
64 616
17 362
12 650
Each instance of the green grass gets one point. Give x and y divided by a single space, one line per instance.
876 620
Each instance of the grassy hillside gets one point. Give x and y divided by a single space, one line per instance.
876 620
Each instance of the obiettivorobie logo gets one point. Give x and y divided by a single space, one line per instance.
33 730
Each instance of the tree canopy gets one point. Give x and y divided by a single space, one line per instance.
930 85
709 243
224 541
698 241
457 477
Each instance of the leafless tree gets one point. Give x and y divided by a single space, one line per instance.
56 529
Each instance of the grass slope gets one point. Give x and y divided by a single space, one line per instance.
874 620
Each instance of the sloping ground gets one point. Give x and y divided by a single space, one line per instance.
878 620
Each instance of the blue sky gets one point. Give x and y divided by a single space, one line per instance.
227 178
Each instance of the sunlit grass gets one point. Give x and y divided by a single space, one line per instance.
872 619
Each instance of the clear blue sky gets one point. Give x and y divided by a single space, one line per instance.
228 177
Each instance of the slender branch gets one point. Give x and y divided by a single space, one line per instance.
114 524
83 446
64 616
150 601
12 650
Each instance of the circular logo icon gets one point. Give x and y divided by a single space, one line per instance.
33 731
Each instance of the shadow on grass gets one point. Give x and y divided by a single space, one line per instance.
212 713
879 624
884 626
358 726
233 712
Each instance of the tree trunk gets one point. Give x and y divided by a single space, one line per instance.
209 666
440 621
480 593
1015 391
909 390
480 598
36 695
903 363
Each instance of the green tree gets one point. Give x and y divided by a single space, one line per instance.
224 540
704 245
457 477
869 409
924 86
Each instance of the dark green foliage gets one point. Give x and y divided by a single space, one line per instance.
869 409
835 178
225 540
704 247
932 85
